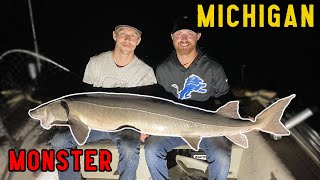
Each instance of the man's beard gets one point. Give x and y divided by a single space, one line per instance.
184 50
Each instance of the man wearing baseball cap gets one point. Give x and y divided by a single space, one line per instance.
189 74
119 67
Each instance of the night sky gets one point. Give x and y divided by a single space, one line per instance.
70 32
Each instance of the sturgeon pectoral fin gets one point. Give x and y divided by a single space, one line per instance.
79 130
239 139
193 142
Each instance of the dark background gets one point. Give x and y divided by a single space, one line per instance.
70 32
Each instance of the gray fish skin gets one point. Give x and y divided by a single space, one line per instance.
156 116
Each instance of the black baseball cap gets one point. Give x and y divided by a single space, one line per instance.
185 22
129 26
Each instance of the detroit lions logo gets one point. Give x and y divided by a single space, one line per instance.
192 84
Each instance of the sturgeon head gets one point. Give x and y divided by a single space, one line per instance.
57 113
53 113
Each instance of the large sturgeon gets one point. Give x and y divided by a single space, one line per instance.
156 116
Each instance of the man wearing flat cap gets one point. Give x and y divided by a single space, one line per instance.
119 67
190 75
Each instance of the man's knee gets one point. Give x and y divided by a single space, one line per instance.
62 141
221 156
154 150
130 148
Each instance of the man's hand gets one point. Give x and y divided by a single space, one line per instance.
143 137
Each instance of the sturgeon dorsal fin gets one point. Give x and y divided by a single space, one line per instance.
79 130
193 142
239 139
230 110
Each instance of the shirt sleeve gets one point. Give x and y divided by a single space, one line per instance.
220 82
88 76
159 75
150 78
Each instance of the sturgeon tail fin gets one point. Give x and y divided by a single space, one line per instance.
270 117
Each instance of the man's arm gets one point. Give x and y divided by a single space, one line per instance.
151 90
210 104
89 73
